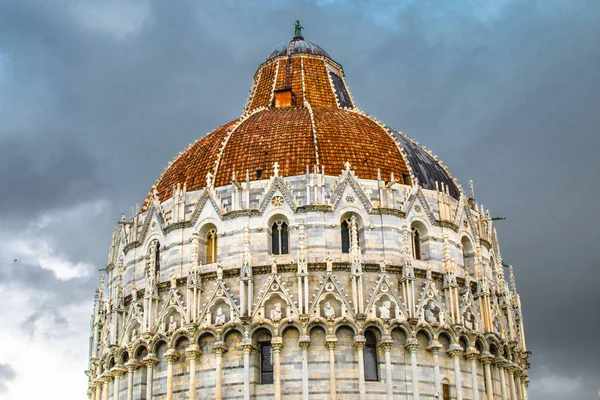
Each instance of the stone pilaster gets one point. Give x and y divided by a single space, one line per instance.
455 352
473 355
131 366
330 342
116 373
276 345
150 360
219 349
412 345
500 363
247 346
106 378
487 360
359 345
304 343
171 355
386 344
435 347
192 353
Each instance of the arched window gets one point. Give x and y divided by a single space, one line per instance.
345 237
211 246
370 357
416 243
279 238
347 234
266 363
468 255
157 256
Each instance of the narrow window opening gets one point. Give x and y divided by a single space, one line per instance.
259 174
279 238
211 246
370 357
416 243
157 256
266 363
345 237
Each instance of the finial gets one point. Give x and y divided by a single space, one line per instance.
298 31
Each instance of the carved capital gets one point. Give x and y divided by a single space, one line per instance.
472 354
277 344
386 343
171 355
455 350
219 348
151 360
192 352
434 346
411 345
359 342
304 342
132 365
331 341
117 370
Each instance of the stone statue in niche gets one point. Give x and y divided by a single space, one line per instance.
173 281
430 313
329 262
496 326
384 310
171 325
469 320
219 317
329 311
276 313
134 335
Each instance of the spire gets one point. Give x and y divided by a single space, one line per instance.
298 31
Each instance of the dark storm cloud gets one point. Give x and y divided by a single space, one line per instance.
505 92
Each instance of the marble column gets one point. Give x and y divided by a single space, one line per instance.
386 344
412 346
247 346
219 349
511 382
518 384
106 378
359 345
150 360
97 389
435 347
304 343
524 385
487 359
500 362
192 353
171 355
330 342
455 351
131 366
116 372
276 345
473 355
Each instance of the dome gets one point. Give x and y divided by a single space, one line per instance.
301 115
306 227
298 46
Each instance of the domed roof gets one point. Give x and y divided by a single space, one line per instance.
300 114
297 46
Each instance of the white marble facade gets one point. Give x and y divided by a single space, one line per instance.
167 324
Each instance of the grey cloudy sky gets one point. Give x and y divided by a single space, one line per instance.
97 97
